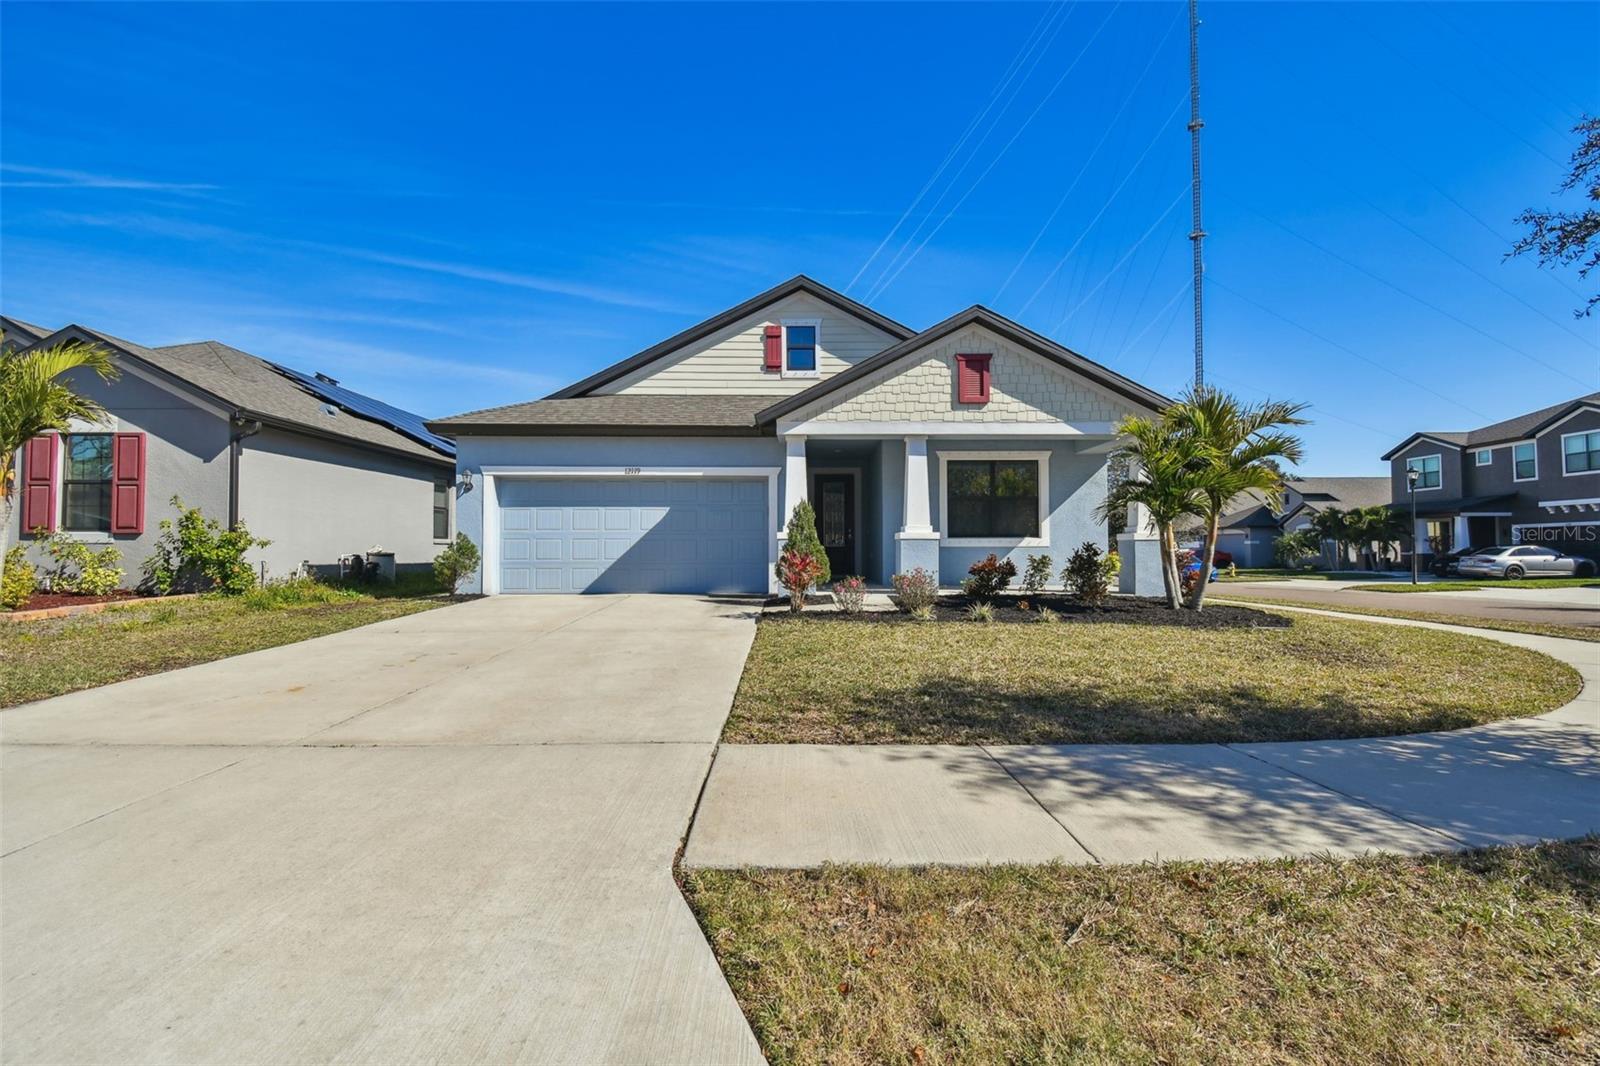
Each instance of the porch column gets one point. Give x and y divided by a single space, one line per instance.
1139 548
794 480
1461 535
917 544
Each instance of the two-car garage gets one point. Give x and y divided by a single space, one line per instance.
622 533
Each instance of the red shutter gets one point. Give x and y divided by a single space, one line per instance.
772 347
39 482
972 378
127 483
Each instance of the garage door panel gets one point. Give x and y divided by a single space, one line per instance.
633 535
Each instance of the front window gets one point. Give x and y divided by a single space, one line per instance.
86 489
441 507
1525 461
1580 453
1483 457
800 351
1427 468
998 499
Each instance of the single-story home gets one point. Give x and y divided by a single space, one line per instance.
320 471
675 470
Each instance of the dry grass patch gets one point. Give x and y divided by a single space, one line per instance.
1470 959
837 682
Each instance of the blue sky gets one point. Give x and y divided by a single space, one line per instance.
458 206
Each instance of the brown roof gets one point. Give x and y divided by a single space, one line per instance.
616 414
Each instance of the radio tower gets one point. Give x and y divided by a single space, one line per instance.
1197 234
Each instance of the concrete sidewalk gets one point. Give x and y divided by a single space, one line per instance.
1508 782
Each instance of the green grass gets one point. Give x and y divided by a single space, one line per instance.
839 682
1478 586
57 655
1487 957
1538 629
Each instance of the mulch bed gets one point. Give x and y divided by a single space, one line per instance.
1117 609
40 601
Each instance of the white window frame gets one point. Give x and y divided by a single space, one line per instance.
947 541
1535 446
815 324
449 507
1483 456
1420 458
1574 473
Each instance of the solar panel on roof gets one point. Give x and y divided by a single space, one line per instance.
400 421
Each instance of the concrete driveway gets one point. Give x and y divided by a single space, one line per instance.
443 838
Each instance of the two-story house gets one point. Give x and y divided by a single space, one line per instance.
1535 477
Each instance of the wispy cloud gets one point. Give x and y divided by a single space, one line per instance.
54 178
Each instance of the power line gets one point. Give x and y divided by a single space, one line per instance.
1106 276
1131 341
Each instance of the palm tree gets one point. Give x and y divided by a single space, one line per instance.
1384 526
1238 449
33 400
1161 476
1338 526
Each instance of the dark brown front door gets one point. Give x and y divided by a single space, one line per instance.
836 521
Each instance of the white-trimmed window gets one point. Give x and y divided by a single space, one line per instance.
1483 456
1580 452
801 353
993 499
441 506
1428 470
1524 461
86 484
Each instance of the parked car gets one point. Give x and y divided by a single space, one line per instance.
1525 560
1448 563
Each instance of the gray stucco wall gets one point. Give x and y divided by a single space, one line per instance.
317 500
186 454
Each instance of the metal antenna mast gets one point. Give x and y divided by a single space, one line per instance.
1197 234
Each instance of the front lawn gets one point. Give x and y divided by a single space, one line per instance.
827 681
1476 958
1505 625
57 655
1488 583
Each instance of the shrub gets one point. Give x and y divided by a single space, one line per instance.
1113 562
1293 549
801 537
922 613
1037 574
456 563
1087 575
1047 615
19 578
797 572
78 569
989 577
850 594
980 611
295 592
196 552
915 590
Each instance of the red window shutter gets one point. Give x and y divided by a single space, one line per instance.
127 483
972 378
772 347
39 482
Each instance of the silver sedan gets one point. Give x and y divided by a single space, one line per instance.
1525 560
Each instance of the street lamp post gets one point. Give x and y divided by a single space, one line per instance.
1411 488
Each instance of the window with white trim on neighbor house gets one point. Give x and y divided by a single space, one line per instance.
86 485
993 498
1427 468
800 349
1524 461
1580 453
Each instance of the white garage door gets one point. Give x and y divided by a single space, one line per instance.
704 535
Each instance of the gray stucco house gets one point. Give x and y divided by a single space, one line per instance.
675 470
1250 530
1535 477
318 470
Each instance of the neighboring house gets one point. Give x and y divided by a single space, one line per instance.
676 470
1535 477
320 471
1250 530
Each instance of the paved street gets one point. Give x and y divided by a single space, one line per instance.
1567 606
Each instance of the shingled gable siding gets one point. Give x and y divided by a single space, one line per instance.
921 387
732 361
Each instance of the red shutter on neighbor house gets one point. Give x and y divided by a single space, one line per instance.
972 378
39 482
772 347
127 483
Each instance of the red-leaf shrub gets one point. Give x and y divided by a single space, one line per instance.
797 572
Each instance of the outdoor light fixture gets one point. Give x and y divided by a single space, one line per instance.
1412 473
466 481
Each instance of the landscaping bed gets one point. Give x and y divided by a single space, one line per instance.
1116 609
829 680
1474 958
41 601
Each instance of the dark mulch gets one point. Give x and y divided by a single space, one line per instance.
1117 609
41 600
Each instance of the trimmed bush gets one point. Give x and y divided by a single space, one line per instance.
1037 574
1087 575
850 594
457 562
801 537
915 591
989 577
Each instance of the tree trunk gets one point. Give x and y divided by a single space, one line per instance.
1207 561
7 504
1169 566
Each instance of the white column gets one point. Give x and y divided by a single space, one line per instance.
917 513
1461 533
794 478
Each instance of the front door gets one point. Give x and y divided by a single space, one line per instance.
836 521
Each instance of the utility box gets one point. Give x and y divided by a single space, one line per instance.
380 566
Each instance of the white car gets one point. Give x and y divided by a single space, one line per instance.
1525 560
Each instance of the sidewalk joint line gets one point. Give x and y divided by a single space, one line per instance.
1007 771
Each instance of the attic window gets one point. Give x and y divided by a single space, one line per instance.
800 348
